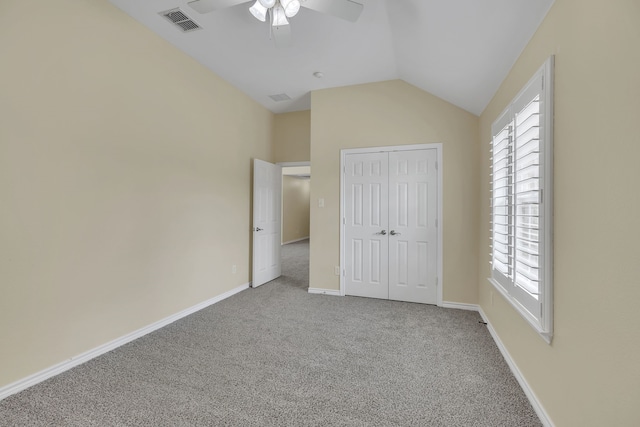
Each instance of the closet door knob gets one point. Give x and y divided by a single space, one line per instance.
394 233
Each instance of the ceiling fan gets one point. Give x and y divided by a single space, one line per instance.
279 10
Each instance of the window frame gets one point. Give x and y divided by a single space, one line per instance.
542 321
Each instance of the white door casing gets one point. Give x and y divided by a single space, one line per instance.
412 226
366 241
267 212
413 238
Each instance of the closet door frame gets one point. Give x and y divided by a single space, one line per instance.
387 149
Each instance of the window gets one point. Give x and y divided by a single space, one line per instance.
521 202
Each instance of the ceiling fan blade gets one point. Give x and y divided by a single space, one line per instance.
206 6
345 9
282 36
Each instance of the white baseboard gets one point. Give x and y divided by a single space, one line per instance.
533 399
321 291
460 306
296 240
54 370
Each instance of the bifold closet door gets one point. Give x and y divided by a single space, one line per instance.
390 225
412 226
366 219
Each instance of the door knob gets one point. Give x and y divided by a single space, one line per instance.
258 229
383 232
394 233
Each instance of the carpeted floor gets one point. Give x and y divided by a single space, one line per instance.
278 356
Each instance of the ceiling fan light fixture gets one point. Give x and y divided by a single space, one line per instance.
279 17
267 4
259 11
291 7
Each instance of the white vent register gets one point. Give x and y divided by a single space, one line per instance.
179 18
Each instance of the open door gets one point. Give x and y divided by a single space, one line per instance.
267 193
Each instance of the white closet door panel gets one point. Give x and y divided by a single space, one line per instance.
366 218
412 224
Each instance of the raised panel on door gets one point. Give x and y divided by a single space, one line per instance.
366 218
412 226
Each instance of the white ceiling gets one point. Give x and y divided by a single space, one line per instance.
458 50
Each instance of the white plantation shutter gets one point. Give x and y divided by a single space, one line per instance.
502 201
521 166
527 196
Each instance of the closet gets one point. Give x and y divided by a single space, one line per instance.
390 224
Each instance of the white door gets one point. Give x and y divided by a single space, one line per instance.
412 226
391 225
267 193
366 214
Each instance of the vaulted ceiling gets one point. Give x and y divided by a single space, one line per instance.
458 50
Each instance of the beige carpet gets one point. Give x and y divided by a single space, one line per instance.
278 356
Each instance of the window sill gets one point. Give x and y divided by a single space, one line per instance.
547 336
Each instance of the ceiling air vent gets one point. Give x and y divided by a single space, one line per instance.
181 20
280 97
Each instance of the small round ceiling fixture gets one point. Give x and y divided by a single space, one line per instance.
318 74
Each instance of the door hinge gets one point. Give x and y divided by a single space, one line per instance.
437 280
344 220
436 222
436 165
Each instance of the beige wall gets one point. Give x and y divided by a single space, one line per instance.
295 208
291 135
590 375
395 113
118 208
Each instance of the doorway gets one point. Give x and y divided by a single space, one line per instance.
391 240
280 217
296 189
